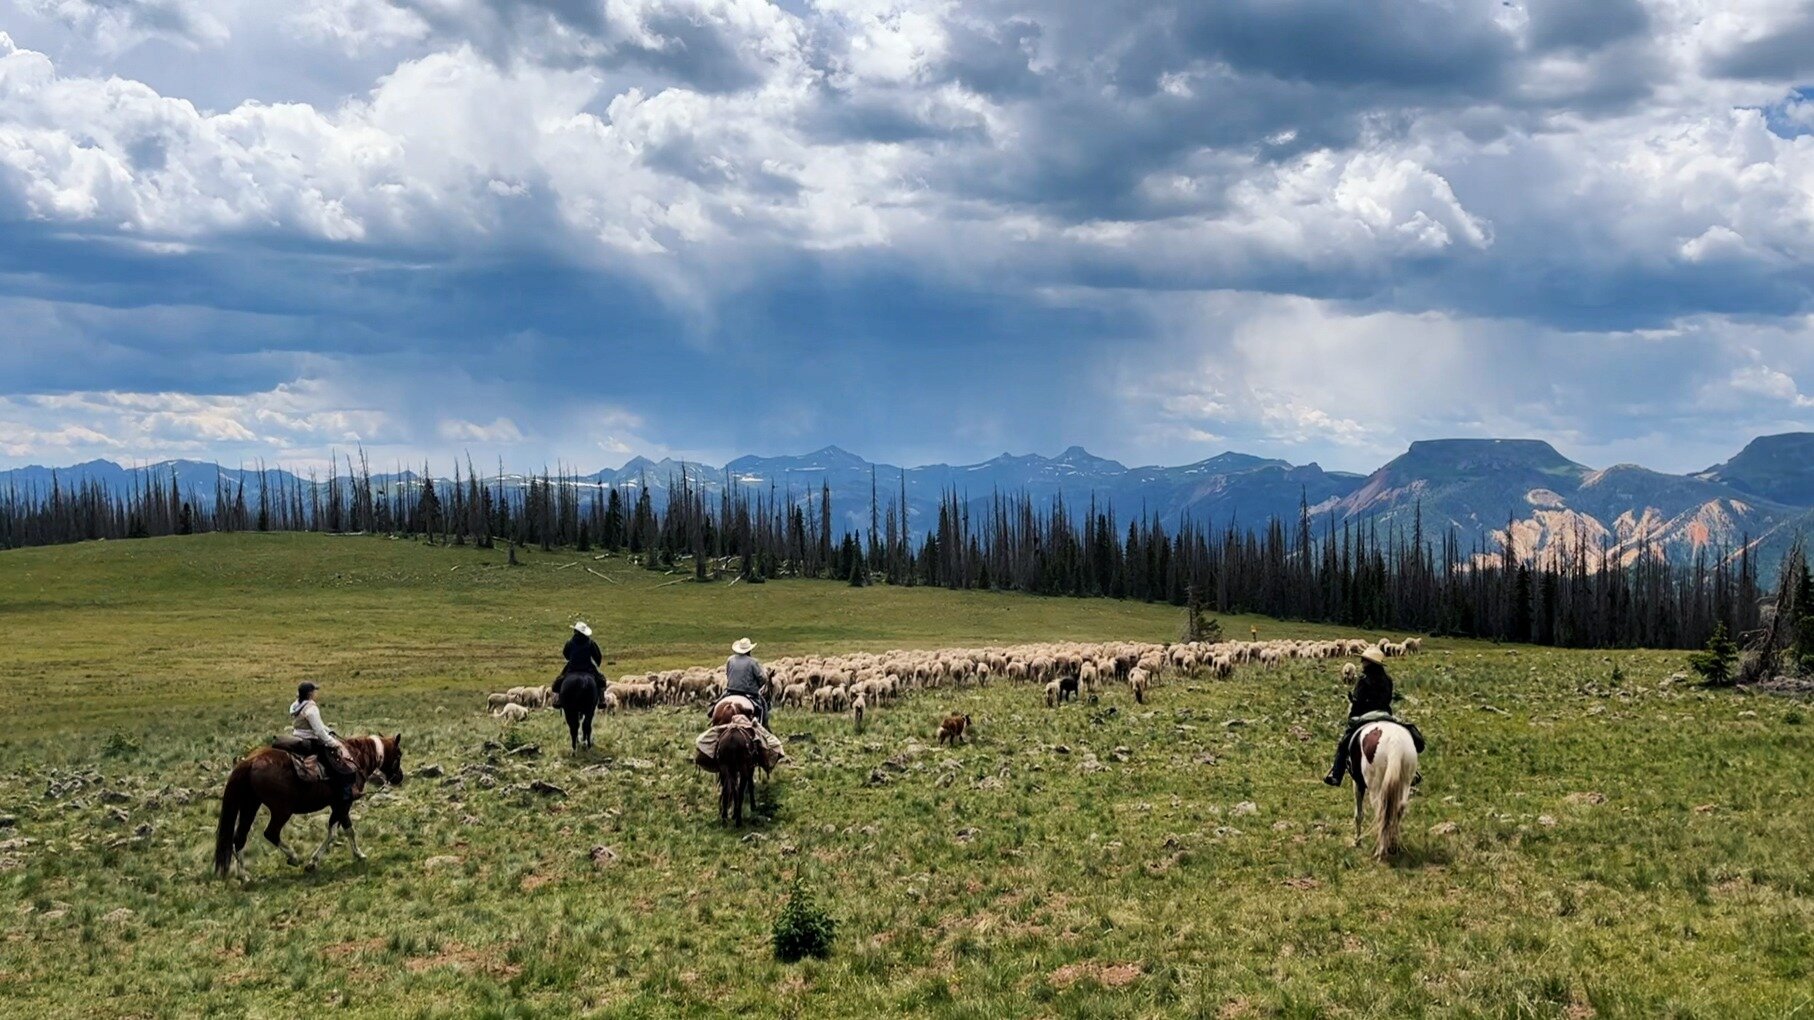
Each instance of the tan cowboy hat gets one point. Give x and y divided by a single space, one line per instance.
743 646
582 628
1373 654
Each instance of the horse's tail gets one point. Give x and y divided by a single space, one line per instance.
231 803
1398 754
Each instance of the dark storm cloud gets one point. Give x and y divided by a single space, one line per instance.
1786 53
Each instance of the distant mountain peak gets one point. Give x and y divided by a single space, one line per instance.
1486 455
1779 468
1078 457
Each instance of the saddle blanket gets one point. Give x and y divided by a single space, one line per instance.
706 745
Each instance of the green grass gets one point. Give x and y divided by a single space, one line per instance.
1639 849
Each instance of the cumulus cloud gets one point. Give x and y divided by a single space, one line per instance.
301 420
1326 182
117 25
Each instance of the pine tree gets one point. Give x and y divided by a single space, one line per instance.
1802 653
1715 662
428 507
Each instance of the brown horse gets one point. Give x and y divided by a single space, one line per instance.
730 707
736 758
267 777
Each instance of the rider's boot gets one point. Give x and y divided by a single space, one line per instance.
1334 778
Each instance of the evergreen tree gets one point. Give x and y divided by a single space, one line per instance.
1715 662
1802 654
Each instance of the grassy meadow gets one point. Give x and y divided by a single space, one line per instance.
1583 844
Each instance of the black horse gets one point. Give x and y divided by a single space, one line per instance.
580 695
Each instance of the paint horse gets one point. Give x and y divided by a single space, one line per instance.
270 777
1383 765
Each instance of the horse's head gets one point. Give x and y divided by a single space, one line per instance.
392 767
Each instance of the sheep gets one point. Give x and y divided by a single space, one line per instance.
1137 679
857 706
608 702
637 694
1350 671
511 713
496 701
795 695
953 729
1052 694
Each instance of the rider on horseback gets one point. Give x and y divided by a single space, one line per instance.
745 677
1370 700
307 727
583 656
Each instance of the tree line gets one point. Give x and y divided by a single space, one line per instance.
1348 572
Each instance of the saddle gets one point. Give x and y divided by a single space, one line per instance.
307 765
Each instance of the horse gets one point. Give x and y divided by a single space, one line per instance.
736 759
1383 766
579 697
733 705
267 778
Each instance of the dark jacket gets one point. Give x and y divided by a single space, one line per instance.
744 675
582 654
1372 692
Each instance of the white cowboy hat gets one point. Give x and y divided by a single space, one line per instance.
582 628
1374 655
743 646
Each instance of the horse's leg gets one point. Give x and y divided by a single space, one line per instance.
586 722
352 838
1360 800
749 783
248 812
724 807
737 794
573 730
326 844
274 834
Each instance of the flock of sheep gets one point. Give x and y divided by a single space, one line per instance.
858 682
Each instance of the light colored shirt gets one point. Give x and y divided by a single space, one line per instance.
306 716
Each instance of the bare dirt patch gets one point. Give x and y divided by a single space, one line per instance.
1118 975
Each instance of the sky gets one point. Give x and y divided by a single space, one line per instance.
574 231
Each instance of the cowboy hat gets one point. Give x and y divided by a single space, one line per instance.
582 628
1373 654
743 646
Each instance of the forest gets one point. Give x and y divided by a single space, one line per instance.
1348 572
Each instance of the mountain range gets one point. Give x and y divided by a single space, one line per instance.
1483 489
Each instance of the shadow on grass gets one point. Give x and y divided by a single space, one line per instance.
277 875
1412 856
